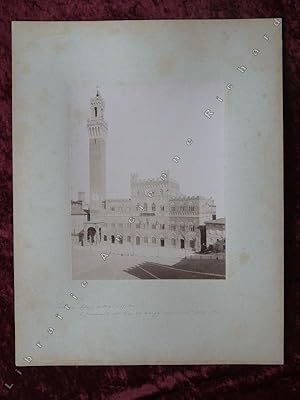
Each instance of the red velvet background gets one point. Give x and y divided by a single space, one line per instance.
155 382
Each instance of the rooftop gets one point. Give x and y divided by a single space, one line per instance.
220 221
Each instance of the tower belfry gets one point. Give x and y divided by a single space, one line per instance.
97 131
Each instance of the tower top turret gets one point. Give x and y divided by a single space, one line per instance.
96 124
97 105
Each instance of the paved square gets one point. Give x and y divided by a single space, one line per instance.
143 263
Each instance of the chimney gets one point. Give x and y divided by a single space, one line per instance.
81 196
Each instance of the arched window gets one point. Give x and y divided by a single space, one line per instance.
191 207
119 238
173 208
95 108
137 240
153 207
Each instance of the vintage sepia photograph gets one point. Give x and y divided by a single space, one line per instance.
137 210
148 207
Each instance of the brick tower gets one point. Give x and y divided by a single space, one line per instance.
97 131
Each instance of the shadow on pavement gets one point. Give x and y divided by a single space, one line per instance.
184 269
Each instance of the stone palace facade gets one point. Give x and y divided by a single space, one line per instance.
156 214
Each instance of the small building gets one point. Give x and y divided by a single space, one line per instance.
215 234
79 216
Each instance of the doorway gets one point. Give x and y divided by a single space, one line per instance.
91 232
182 243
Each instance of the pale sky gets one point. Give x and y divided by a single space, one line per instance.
157 80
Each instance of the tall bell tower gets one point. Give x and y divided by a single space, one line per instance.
97 131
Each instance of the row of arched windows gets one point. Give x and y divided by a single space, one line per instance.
153 207
147 240
153 192
94 131
140 207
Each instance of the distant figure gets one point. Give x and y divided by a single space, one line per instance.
81 235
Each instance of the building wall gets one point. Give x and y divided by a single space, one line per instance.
158 187
97 171
78 222
97 132
144 220
214 232
156 213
